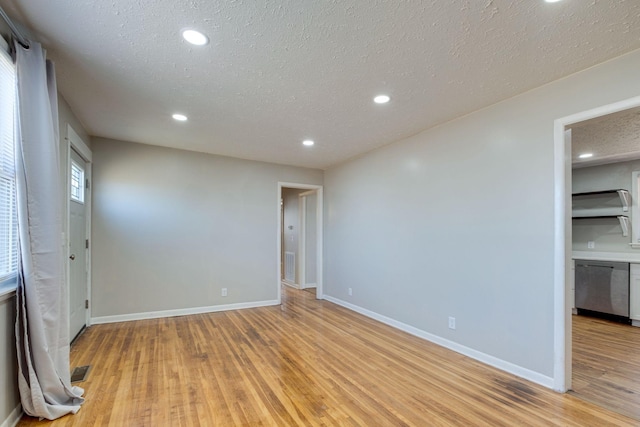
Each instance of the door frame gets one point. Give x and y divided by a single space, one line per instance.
76 143
563 354
319 233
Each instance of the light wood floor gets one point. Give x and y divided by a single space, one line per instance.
606 364
306 363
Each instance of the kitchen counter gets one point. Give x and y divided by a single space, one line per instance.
607 256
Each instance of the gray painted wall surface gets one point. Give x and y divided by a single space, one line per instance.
458 220
67 117
606 234
172 227
9 397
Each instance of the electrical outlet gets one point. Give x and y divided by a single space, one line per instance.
591 244
350 292
452 322
224 292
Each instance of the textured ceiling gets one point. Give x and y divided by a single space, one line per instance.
611 138
279 71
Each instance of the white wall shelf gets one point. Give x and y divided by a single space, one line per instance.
625 198
623 219
625 203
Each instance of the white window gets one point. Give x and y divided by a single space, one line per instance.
77 180
8 210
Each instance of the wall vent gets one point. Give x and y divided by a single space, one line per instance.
290 267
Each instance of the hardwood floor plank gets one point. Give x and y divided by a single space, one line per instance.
307 363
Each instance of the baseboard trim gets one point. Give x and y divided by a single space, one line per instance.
291 284
13 418
503 365
179 312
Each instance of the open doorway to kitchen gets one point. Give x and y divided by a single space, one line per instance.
300 237
597 158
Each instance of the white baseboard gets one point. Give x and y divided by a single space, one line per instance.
458 348
13 418
309 285
291 284
179 312
635 323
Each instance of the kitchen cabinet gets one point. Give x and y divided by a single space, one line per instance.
634 294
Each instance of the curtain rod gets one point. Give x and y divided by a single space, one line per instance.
16 33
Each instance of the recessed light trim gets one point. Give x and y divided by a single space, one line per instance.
552 1
308 142
179 117
195 37
585 155
382 99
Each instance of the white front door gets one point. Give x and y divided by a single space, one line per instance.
77 245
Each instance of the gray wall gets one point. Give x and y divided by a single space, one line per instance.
67 117
172 227
9 398
606 234
458 221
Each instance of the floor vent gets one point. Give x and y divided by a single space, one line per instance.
79 374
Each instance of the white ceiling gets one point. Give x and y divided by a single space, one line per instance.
279 71
610 138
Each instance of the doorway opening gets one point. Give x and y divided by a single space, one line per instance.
299 243
569 132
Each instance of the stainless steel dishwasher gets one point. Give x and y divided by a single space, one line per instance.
602 288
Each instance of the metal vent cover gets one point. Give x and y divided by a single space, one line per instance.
80 373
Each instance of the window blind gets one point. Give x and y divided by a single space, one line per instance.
8 210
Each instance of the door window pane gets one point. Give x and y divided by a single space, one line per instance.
77 182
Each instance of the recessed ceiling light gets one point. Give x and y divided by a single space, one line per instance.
308 142
180 117
195 37
585 155
381 99
552 1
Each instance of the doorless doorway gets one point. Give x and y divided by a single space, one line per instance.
563 292
317 189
